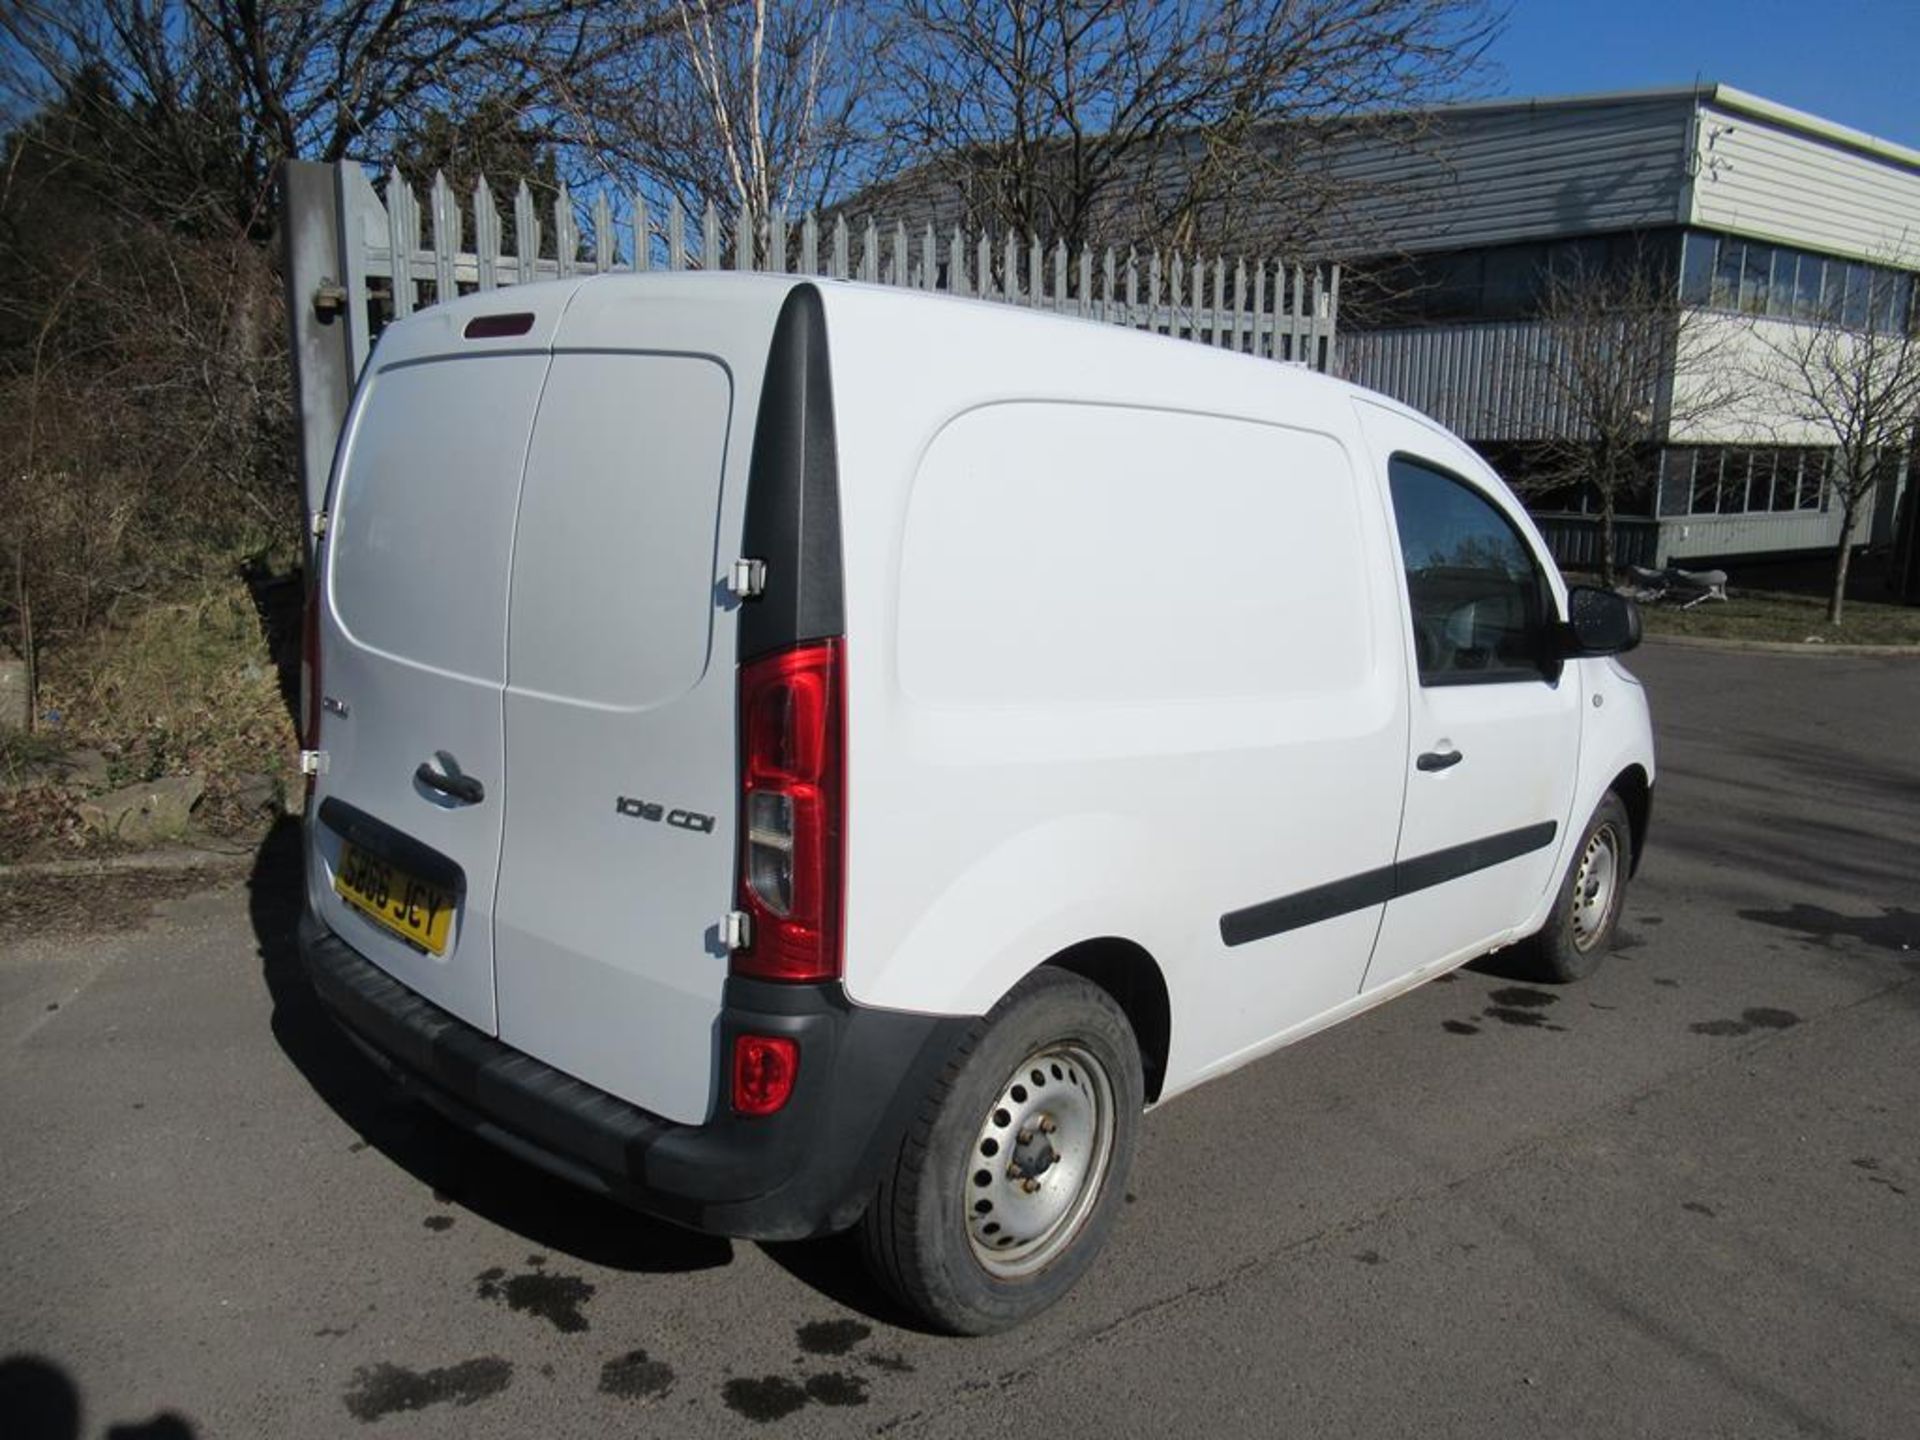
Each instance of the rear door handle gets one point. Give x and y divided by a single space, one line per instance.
449 781
1439 760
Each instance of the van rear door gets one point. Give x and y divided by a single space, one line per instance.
414 654
617 868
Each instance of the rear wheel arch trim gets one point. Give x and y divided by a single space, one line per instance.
1128 972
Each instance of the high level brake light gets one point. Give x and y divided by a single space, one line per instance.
792 810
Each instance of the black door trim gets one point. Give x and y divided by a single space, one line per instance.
1376 887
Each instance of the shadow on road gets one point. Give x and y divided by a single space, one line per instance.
835 1267
457 1168
1894 928
39 1401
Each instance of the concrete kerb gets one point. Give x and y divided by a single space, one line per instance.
173 858
1778 647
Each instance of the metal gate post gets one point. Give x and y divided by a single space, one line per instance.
319 336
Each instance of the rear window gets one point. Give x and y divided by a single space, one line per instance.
422 529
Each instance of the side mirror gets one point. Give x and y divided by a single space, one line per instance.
1599 622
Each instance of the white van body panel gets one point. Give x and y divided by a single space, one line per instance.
1127 655
607 964
415 666
583 656
1093 579
1520 741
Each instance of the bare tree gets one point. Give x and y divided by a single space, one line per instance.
1624 365
1086 120
218 92
752 104
1853 377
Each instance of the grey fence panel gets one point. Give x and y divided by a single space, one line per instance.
392 264
398 251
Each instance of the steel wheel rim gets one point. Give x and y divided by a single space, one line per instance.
1596 884
1039 1161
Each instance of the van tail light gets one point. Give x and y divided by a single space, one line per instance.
764 1069
793 811
310 677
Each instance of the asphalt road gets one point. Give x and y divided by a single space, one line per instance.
1682 1199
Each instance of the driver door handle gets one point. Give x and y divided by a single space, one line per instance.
1434 760
450 782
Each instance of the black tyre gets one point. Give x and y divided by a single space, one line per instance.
1580 930
1010 1175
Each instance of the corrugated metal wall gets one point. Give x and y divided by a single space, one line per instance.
1575 540
1490 176
1763 179
1682 537
1487 381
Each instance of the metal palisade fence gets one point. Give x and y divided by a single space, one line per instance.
358 256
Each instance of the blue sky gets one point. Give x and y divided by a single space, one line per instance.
1854 61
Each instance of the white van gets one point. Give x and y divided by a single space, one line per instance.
792 755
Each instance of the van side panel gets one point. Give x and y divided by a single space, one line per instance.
1121 661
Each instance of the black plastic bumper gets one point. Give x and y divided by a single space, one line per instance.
807 1170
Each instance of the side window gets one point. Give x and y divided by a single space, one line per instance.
1481 607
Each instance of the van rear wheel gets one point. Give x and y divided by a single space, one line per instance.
1009 1178
1580 931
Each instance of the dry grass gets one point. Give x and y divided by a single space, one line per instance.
1764 615
175 687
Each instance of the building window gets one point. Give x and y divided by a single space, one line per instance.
1742 480
1748 277
1501 282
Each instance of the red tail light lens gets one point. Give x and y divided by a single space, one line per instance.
764 1069
793 800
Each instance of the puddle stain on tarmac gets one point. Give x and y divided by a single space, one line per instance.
1525 1019
1757 1017
837 1388
769 1398
554 1298
774 1397
635 1376
1521 1005
831 1337
381 1390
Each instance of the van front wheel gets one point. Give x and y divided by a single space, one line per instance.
1009 1177
1579 933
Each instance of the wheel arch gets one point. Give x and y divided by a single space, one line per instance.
1127 972
1636 793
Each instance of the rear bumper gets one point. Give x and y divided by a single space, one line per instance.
807 1170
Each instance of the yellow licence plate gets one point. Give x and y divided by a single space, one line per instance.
412 909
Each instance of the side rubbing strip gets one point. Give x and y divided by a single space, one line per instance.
1308 907
1375 887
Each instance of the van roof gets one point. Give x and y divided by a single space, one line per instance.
1185 371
